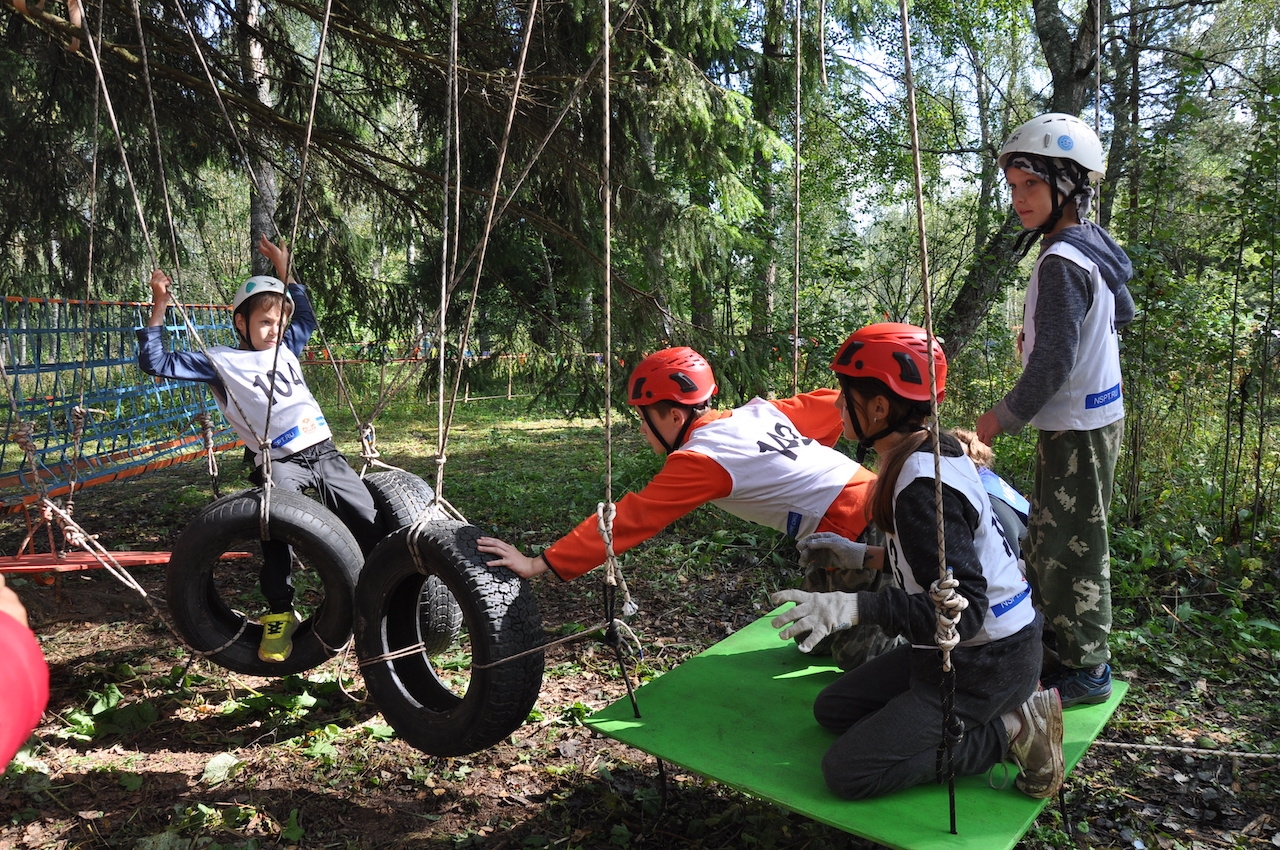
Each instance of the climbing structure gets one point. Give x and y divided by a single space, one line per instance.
77 411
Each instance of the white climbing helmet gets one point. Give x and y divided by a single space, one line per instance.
257 285
1057 134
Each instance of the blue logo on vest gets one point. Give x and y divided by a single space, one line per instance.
793 523
1102 399
1004 607
293 433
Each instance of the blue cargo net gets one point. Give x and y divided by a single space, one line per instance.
61 355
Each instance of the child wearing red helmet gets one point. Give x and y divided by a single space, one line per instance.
273 321
770 462
888 713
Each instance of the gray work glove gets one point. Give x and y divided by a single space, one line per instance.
819 614
832 551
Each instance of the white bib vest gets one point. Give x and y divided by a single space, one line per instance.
1009 608
1091 396
781 478
296 419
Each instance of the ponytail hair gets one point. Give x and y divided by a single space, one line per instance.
906 416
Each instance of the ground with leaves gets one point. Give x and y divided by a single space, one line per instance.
137 750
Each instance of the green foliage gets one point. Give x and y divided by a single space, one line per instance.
107 713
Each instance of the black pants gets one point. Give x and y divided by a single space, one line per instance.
325 469
888 713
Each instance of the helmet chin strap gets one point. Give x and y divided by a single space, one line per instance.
867 442
679 441
1025 239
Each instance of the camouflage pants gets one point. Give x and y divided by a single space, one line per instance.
851 647
1068 555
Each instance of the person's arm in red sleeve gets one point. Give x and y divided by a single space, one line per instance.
24 678
814 414
686 481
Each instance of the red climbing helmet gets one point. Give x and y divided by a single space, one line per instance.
676 374
895 353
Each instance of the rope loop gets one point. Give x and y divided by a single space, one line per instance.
950 606
24 436
368 440
605 512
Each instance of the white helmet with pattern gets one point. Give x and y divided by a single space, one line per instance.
257 285
1061 136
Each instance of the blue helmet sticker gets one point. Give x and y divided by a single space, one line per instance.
1066 143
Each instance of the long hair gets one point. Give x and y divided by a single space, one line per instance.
907 416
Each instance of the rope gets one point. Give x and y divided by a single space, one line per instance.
142 223
406 371
78 415
452 170
1196 751
490 207
205 421
795 224
614 583
949 604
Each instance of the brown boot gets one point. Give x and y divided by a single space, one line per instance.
1038 748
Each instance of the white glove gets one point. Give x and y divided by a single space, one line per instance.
831 550
819 614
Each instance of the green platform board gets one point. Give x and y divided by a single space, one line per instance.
741 713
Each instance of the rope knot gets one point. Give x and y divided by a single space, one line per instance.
950 607
24 436
368 437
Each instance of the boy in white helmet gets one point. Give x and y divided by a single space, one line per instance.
268 315
1070 390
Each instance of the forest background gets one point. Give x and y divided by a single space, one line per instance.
170 134
434 149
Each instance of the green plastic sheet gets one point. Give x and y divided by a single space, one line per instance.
741 713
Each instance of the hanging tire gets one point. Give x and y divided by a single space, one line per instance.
402 499
201 585
452 704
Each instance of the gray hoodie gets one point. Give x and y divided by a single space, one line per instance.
1065 296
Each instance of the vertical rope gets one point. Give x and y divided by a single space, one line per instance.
448 229
155 131
490 208
615 590
607 184
949 604
795 224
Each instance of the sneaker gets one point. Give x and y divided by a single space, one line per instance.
277 635
1038 748
1082 686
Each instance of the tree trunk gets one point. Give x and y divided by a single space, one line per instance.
264 193
1071 57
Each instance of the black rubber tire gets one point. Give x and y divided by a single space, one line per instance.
402 499
501 618
319 539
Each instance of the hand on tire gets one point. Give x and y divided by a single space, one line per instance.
511 557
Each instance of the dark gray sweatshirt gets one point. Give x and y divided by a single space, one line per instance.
1065 296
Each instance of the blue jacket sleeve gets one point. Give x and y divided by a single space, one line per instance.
303 323
154 359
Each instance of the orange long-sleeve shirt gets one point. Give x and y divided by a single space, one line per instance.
690 479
